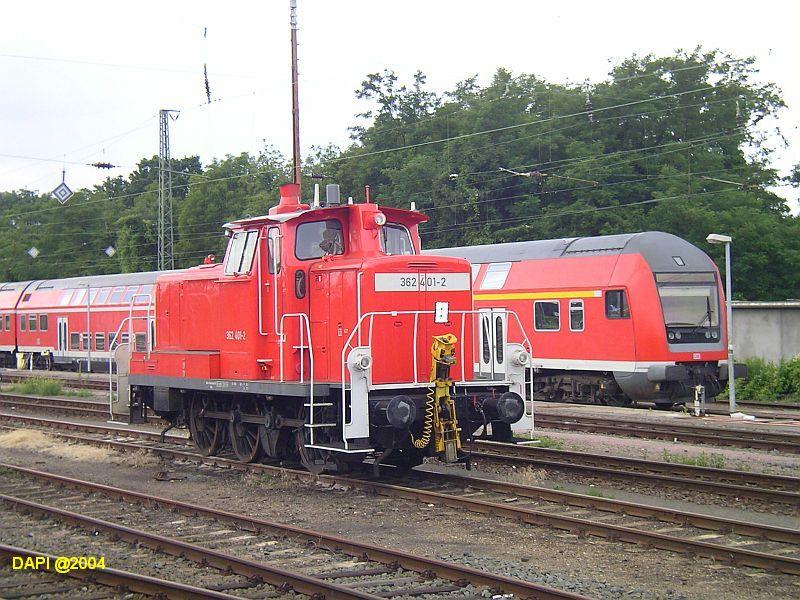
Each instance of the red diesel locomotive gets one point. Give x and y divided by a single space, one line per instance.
313 340
612 319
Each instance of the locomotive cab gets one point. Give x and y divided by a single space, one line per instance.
324 337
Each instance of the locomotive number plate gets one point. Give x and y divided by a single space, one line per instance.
414 282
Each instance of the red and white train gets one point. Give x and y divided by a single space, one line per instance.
323 337
612 319
72 323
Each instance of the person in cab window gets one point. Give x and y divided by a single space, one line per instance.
331 243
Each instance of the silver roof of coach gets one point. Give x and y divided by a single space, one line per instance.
664 252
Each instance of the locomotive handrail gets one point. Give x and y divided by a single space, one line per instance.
112 343
302 319
394 313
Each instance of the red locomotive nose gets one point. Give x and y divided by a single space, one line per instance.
290 200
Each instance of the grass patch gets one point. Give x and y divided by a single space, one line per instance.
6 472
38 387
548 442
716 461
597 493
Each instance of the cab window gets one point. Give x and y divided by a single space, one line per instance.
273 250
395 239
240 254
617 305
318 239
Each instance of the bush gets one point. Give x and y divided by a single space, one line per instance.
768 382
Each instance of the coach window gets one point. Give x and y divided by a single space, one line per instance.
74 341
617 305
395 239
99 341
112 338
33 321
496 275
116 295
475 270
103 296
42 322
22 322
576 315
86 341
145 295
79 297
1 322
8 322
129 294
546 315
240 256
318 239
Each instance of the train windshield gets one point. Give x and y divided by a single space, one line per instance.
690 303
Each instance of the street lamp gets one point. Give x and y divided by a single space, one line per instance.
716 238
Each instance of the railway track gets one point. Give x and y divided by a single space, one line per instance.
717 436
727 482
85 381
87 584
732 541
309 562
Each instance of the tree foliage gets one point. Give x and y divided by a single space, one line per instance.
675 143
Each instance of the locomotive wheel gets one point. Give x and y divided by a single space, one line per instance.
245 436
208 434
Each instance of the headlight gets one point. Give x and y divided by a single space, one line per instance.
671 335
380 219
521 358
677 335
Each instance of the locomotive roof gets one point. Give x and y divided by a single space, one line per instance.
659 249
116 279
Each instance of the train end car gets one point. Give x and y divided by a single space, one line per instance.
323 337
612 319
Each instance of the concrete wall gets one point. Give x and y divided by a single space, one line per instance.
769 330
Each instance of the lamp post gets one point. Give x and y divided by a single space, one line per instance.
716 238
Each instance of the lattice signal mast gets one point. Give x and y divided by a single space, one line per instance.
166 258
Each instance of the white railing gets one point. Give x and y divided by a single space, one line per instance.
304 343
114 343
370 316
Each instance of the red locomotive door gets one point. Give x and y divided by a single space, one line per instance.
319 315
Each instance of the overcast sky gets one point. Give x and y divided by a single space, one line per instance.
56 106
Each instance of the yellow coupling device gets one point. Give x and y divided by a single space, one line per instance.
440 409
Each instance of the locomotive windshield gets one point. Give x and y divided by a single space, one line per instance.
690 304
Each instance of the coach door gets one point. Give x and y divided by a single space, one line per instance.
492 342
63 337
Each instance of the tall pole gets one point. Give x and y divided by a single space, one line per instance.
295 101
729 319
166 258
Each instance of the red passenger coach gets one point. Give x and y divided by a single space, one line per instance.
75 322
612 319
324 336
